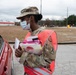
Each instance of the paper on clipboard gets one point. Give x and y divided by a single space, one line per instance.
17 42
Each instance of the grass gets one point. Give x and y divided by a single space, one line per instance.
11 32
64 34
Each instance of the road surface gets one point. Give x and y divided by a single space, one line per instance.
65 61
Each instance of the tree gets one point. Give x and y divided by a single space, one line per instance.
47 22
71 20
17 23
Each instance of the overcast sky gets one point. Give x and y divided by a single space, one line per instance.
52 9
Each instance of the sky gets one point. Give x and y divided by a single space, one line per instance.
51 9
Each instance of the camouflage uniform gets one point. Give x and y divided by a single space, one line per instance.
43 60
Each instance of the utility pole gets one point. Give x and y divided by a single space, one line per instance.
67 17
41 6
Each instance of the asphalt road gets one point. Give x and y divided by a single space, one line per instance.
65 61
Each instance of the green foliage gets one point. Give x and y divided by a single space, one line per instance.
71 20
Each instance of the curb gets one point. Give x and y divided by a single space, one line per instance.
64 43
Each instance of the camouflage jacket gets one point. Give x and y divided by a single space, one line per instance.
43 60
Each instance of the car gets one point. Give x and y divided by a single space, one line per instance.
5 57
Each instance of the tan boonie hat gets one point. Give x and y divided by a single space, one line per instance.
30 11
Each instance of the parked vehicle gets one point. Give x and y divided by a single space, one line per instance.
5 57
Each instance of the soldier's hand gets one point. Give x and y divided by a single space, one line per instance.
18 52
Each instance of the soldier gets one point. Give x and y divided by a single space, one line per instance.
34 63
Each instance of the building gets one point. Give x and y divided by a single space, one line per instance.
7 23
